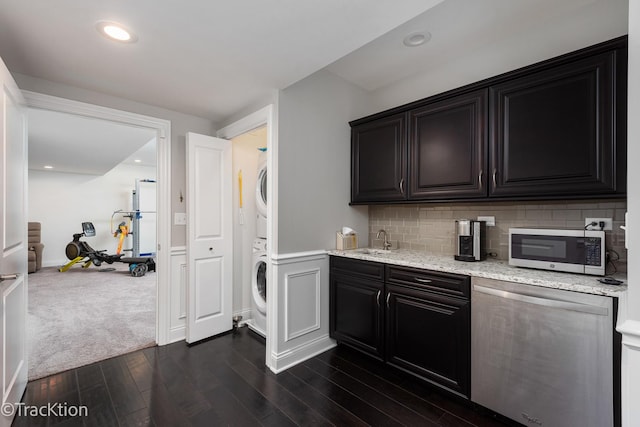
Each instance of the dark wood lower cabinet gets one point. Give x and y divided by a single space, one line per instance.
357 316
415 320
428 335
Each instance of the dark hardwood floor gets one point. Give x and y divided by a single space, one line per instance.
223 381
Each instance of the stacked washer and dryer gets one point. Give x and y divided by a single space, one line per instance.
259 270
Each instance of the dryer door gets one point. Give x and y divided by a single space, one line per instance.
261 190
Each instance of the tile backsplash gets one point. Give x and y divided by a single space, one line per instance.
430 227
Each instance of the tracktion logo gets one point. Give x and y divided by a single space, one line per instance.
531 420
49 410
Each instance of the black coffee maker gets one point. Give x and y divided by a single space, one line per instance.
470 240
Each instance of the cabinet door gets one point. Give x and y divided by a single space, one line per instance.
553 132
356 313
428 335
447 148
378 160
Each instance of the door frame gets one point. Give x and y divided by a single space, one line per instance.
266 116
162 128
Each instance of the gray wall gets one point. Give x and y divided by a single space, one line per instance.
314 163
180 125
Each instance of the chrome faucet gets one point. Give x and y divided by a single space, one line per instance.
386 245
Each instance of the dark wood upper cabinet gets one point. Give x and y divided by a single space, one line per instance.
553 132
379 159
447 148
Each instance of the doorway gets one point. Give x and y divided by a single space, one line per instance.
153 134
265 117
249 228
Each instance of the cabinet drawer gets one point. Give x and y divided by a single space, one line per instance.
358 268
444 283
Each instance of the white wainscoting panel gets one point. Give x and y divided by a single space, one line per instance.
178 300
301 306
302 303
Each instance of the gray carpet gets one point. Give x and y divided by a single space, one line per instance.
84 316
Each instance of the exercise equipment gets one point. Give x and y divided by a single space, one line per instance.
142 197
121 233
79 251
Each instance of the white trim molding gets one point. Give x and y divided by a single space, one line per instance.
246 124
268 116
630 385
300 301
163 132
630 330
294 326
300 353
293 258
63 105
178 294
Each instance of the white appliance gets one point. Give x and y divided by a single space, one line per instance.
258 322
261 196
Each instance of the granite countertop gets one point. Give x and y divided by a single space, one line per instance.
492 269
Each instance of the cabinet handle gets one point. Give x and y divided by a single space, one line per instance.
8 277
388 296
480 179
378 299
402 186
417 279
495 172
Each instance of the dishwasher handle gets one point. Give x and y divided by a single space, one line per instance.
543 301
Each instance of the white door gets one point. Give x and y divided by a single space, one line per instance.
209 237
13 237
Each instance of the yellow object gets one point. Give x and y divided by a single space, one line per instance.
240 186
70 264
123 231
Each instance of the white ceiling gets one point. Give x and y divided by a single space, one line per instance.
76 144
201 57
460 28
213 58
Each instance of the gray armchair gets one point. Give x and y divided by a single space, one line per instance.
35 247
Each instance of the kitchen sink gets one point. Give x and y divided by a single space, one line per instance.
372 251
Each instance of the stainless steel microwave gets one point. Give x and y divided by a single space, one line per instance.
573 251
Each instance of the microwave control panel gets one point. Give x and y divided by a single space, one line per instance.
593 251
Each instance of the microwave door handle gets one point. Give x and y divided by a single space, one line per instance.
546 302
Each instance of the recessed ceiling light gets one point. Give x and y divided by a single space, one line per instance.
115 31
138 161
417 38
48 167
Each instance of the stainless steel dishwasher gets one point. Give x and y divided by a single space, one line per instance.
540 356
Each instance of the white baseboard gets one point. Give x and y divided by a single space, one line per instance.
56 263
296 355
